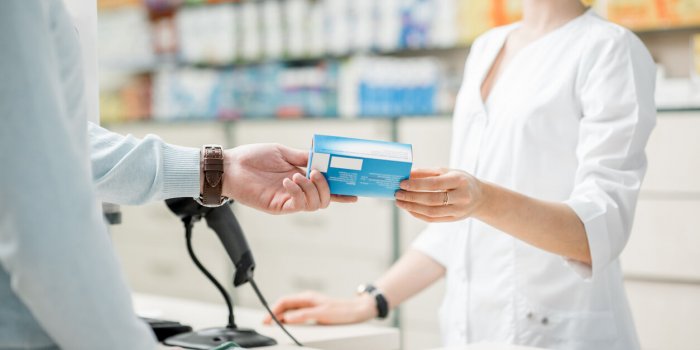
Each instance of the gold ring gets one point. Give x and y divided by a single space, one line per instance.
446 201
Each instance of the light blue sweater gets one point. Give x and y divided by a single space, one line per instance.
60 282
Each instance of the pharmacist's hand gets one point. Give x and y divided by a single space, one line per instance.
320 309
440 195
268 177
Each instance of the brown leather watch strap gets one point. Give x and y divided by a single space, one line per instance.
213 171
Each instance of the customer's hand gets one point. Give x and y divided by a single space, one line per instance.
268 177
320 309
440 195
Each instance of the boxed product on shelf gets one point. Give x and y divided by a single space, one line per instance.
125 41
296 14
251 33
130 101
273 40
651 14
387 87
184 93
207 34
255 91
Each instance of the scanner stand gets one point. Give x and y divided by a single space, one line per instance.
209 338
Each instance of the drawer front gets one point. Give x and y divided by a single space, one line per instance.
666 315
665 240
298 133
420 339
189 134
361 230
151 247
430 138
284 273
674 154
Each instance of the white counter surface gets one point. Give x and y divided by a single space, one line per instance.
203 315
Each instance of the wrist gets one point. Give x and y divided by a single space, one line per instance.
229 159
366 307
485 192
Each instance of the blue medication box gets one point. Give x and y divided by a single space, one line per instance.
364 168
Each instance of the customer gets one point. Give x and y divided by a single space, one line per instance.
548 158
60 282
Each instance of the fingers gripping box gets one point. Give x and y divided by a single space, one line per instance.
356 167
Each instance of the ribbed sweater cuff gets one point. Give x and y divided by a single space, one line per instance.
181 171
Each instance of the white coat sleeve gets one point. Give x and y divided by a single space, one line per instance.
617 80
53 241
127 170
438 241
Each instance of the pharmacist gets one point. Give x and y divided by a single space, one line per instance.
547 161
60 282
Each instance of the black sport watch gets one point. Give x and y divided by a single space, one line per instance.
382 304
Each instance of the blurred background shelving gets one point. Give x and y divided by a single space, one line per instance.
174 59
236 72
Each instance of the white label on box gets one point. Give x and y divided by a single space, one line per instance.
346 163
320 162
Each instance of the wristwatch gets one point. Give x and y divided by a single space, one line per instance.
382 304
212 166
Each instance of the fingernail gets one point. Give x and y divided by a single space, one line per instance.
404 185
399 195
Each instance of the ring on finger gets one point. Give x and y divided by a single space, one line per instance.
446 199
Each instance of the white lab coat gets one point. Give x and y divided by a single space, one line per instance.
567 121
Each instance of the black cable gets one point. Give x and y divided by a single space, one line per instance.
267 307
188 221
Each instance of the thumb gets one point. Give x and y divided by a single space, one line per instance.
423 173
294 156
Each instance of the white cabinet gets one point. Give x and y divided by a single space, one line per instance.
298 133
667 316
665 243
674 154
665 240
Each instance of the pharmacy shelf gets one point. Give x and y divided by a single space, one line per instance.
663 112
290 61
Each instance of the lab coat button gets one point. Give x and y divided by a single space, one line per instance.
530 315
545 321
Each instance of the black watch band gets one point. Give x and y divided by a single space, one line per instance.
382 303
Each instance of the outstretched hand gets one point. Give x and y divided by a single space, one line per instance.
321 309
268 177
440 195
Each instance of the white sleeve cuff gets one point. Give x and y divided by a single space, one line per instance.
594 221
180 171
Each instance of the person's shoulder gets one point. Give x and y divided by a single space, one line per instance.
602 34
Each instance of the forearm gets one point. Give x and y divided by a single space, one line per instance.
127 170
550 226
411 274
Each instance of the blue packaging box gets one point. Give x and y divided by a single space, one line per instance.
364 168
